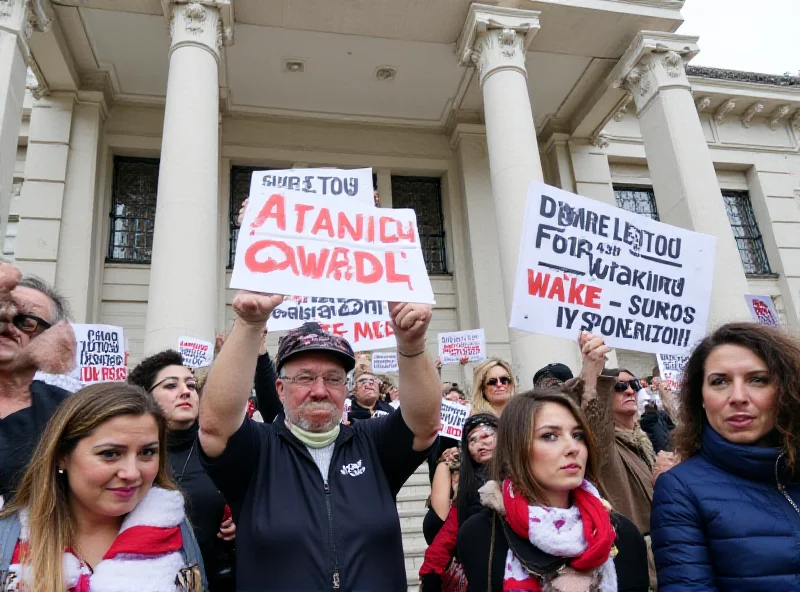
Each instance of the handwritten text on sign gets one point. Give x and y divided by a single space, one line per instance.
585 265
462 344
384 362
100 353
349 183
364 323
453 417
762 308
294 243
196 353
671 368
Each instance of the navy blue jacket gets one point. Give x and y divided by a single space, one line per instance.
719 522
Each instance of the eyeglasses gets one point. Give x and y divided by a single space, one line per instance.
307 380
504 380
28 323
363 381
624 385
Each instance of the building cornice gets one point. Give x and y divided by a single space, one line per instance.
746 77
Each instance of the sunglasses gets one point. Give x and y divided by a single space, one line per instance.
30 324
504 380
623 386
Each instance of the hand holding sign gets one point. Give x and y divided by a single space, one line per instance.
410 323
594 350
254 308
241 212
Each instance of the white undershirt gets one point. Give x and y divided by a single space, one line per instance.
322 458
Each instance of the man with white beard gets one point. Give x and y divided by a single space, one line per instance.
313 499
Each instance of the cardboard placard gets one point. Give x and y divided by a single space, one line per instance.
100 353
196 353
302 244
462 344
763 309
585 265
453 417
383 362
671 368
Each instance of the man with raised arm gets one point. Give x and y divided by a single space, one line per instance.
314 500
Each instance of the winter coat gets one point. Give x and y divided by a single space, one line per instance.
721 523
658 426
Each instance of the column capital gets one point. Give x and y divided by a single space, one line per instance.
205 23
23 17
654 61
496 38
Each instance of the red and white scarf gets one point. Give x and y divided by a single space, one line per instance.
582 532
145 557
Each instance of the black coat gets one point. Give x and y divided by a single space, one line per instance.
658 427
474 548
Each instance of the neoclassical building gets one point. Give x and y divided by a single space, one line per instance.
129 130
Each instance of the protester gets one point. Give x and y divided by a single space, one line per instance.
366 402
658 425
727 517
441 570
552 375
492 386
546 525
313 498
34 335
96 509
443 490
174 388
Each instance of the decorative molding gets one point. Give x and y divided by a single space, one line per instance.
599 140
723 110
6 8
198 14
795 120
194 16
751 112
22 17
623 108
737 76
637 80
702 103
779 113
673 64
35 81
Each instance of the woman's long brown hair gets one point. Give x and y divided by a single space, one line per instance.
781 354
512 455
45 492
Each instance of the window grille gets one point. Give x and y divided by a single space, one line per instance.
639 200
745 231
240 189
424 196
133 209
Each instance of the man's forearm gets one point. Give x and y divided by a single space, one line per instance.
420 392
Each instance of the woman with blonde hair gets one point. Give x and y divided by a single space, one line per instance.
492 386
95 510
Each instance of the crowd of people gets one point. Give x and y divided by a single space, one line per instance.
281 473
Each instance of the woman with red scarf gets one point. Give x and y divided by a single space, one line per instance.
546 526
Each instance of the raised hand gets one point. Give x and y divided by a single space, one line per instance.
242 211
410 323
254 308
594 351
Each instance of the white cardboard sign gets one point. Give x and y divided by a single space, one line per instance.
298 243
196 353
99 353
587 266
329 183
671 368
462 344
383 362
453 417
364 323
763 309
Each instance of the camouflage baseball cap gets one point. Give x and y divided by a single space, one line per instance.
310 338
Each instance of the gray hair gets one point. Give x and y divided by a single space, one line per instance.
60 306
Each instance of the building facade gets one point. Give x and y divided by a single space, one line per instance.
129 130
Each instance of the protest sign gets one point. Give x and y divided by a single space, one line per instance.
453 417
100 353
588 266
364 323
462 344
196 353
763 309
329 183
383 362
671 368
296 243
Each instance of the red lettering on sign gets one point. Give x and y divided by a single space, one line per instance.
376 268
312 264
274 208
537 283
270 264
563 288
346 228
301 210
385 236
323 222
340 265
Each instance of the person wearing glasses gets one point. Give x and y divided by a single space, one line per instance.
174 387
366 402
314 499
492 386
26 405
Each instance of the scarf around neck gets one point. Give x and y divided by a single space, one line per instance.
637 440
314 439
582 532
145 557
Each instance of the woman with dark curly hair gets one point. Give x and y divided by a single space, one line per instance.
727 517
174 388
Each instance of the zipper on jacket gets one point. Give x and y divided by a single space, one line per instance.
331 536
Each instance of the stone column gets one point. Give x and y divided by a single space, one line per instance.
495 40
18 19
684 180
182 297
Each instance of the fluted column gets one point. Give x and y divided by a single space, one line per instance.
183 276
684 181
495 41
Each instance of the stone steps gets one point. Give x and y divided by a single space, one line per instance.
411 509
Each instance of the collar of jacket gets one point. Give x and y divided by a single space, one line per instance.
345 433
745 460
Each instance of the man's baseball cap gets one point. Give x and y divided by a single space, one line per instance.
312 338
559 371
